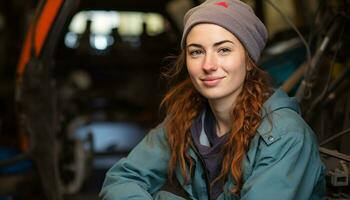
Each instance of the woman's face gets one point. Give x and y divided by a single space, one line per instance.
215 61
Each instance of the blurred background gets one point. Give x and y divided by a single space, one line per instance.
80 84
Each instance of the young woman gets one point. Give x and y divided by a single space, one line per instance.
227 134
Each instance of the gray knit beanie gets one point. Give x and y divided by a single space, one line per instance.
233 15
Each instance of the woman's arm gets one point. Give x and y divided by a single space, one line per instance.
142 173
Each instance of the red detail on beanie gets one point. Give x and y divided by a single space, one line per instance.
222 3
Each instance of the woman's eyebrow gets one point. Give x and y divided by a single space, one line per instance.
215 44
222 42
194 45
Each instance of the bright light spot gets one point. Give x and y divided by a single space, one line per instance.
155 23
103 21
131 23
100 42
111 136
78 24
71 40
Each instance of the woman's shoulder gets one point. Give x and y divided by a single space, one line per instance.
287 120
157 134
284 135
285 124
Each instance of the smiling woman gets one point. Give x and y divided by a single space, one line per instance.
215 62
227 133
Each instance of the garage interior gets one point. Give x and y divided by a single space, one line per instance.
81 83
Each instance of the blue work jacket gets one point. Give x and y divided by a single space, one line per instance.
282 163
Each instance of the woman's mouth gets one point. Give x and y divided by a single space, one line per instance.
211 81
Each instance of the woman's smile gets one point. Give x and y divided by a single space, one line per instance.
211 81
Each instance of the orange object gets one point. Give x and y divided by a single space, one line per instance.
43 25
45 20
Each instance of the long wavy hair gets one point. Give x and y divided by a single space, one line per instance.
183 103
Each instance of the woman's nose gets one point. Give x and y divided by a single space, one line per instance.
209 63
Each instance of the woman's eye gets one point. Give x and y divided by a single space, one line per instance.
195 53
224 51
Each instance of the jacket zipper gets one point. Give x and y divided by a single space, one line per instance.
207 182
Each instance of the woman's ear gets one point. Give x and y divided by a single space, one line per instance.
248 62
249 66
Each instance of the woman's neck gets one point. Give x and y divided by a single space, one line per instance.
222 112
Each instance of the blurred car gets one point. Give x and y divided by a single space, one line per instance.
88 83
